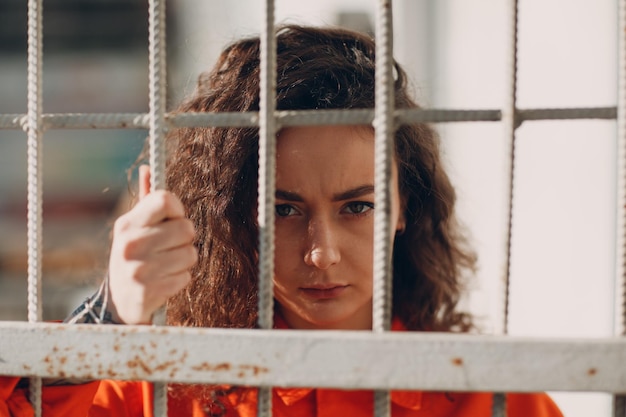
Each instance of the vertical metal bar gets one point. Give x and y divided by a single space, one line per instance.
157 92
267 183
35 175
510 122
619 401
384 131
498 405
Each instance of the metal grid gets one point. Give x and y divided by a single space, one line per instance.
442 361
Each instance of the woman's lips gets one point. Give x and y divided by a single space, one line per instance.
324 293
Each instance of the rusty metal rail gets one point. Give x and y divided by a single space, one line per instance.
428 361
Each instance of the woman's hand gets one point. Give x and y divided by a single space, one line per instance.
151 254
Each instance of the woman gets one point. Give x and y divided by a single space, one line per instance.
195 245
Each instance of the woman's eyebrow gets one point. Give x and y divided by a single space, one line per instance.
354 193
288 195
341 196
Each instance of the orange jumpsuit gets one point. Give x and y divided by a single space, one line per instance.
62 400
134 399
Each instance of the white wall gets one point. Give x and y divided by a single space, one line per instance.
564 217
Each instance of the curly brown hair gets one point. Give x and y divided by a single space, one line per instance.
214 171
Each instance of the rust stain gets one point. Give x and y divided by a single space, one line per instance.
164 365
81 356
26 367
222 367
256 370
205 366
592 371
139 363
62 360
116 347
457 361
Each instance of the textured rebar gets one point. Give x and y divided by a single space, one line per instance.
157 93
297 117
267 169
267 184
498 405
384 128
603 113
619 401
620 276
510 122
157 100
35 176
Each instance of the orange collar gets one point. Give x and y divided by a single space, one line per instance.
408 399
281 324
411 400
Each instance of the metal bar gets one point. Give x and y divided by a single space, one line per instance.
383 144
298 118
603 113
267 185
384 129
349 359
267 167
35 176
157 78
510 122
498 405
157 99
619 401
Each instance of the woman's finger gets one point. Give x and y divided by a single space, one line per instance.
151 210
142 242
161 265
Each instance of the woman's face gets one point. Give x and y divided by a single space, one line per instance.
325 226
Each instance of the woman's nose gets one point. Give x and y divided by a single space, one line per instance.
322 249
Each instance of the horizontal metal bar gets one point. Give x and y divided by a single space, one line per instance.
350 359
404 116
607 113
294 118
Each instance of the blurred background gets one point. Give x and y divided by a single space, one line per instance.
563 264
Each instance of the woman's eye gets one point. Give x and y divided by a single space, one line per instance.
284 210
359 207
